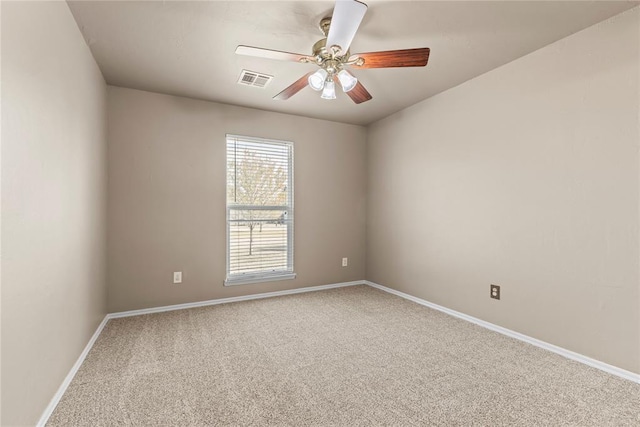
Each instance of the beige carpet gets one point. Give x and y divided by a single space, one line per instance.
342 357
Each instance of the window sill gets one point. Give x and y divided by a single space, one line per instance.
258 279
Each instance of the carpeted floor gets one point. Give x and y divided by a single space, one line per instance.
343 357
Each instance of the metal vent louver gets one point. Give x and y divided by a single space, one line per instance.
252 78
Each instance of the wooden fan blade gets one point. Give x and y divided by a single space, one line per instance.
296 87
394 58
270 54
358 94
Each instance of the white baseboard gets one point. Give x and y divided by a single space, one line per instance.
72 373
508 332
231 299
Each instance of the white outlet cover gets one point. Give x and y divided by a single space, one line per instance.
177 277
345 262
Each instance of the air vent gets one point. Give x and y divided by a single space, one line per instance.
251 78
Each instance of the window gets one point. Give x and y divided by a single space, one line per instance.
259 210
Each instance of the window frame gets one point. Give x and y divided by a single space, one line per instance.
265 276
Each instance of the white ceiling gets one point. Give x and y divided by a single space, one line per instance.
187 48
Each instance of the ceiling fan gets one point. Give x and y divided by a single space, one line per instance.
332 55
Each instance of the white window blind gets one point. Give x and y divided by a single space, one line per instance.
259 210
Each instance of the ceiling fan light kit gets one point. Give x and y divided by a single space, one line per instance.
339 31
319 81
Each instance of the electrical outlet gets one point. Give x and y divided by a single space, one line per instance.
495 292
177 277
345 262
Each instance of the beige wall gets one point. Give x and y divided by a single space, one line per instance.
53 203
167 212
526 177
